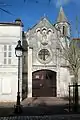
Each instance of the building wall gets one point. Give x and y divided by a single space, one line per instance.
64 81
9 35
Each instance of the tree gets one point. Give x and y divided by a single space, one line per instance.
71 53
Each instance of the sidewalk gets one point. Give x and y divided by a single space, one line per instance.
37 107
37 101
7 104
36 111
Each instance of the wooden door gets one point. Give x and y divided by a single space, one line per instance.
44 84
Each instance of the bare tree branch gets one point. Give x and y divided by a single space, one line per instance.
71 53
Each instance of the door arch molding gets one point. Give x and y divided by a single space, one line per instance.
39 69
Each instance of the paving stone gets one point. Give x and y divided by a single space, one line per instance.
57 117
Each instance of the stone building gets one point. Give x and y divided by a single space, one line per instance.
43 72
47 73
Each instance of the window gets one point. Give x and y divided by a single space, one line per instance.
9 47
44 54
64 30
7 54
44 30
49 30
9 61
5 61
38 30
5 47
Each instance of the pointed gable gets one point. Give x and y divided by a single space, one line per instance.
43 30
61 16
44 22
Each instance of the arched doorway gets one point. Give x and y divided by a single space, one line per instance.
44 83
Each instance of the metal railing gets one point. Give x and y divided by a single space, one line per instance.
74 97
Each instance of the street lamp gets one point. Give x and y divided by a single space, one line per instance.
18 53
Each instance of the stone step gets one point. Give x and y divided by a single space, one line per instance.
44 101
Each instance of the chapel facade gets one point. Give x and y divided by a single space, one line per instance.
43 72
47 72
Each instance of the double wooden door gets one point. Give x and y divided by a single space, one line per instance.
44 83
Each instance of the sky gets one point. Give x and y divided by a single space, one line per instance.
31 11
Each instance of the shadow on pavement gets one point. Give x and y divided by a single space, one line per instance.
42 110
37 110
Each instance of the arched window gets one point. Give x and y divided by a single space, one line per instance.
38 30
44 30
49 31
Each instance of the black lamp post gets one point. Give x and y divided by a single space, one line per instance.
18 52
